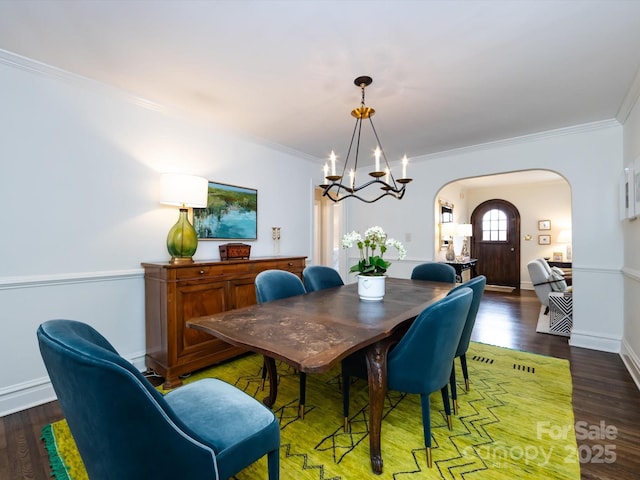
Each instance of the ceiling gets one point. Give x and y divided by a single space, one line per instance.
446 74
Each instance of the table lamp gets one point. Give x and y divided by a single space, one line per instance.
565 237
465 230
184 191
448 231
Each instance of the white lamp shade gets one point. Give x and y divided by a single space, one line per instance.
448 229
183 190
465 230
564 236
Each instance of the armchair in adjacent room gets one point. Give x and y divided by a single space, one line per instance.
552 291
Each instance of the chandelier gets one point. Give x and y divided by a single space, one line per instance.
382 180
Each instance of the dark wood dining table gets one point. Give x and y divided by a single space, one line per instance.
315 331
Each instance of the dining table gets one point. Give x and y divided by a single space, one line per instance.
313 332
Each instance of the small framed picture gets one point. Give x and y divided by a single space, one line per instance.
544 224
544 239
557 256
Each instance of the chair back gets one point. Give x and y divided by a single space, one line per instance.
476 284
319 277
540 280
545 265
276 284
421 361
119 421
434 271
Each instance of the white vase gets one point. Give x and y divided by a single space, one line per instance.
371 289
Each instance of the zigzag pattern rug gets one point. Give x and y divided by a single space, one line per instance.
507 426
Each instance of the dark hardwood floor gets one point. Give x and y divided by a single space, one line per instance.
606 402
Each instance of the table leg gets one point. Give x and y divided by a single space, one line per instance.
377 373
270 365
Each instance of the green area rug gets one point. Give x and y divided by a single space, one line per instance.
507 425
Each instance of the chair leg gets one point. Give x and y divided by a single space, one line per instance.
426 426
447 406
273 464
264 374
454 390
465 372
303 394
345 399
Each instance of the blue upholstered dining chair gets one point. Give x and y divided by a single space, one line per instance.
434 271
273 285
319 277
477 285
124 428
421 360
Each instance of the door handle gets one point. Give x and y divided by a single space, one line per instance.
513 249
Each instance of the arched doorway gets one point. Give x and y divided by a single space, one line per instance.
496 242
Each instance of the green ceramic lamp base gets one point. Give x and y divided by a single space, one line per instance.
182 240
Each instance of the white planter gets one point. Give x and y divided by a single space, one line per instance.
371 289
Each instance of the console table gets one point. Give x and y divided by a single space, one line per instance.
176 293
566 267
465 269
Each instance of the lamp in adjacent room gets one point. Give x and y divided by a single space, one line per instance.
465 230
448 231
565 237
184 191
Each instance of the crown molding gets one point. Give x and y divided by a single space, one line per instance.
630 100
559 132
39 68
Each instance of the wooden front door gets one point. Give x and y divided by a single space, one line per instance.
496 242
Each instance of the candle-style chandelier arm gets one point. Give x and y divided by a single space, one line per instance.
351 192
338 190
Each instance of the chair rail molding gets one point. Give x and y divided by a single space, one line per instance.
8 283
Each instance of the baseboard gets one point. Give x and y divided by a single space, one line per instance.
26 395
37 392
594 341
632 362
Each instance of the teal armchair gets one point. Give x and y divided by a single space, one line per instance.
319 277
477 285
273 285
126 429
434 271
421 361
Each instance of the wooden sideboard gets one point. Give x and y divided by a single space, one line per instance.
177 293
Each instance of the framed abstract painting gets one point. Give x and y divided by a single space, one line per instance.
231 213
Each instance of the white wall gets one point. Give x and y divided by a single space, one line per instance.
589 157
79 189
631 270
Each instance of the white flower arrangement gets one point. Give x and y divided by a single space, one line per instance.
371 263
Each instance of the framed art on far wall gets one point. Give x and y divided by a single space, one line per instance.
628 193
544 239
636 189
231 213
544 224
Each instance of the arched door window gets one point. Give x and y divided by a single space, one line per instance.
494 226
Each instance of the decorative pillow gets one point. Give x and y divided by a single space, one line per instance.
556 280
